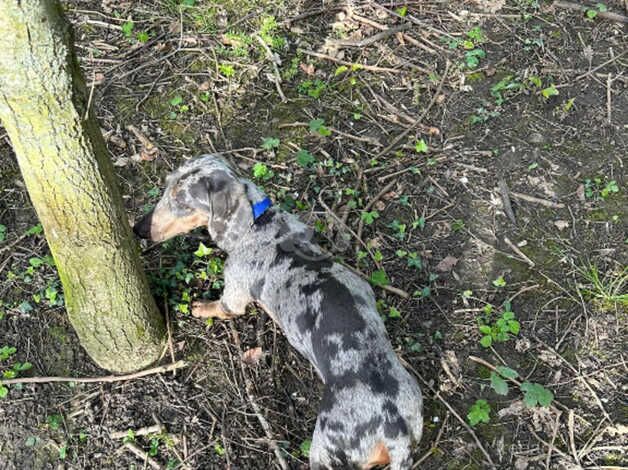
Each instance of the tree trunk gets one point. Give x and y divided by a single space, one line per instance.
71 183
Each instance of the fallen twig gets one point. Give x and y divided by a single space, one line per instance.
401 136
503 192
376 37
248 386
104 379
520 253
453 412
537 200
141 455
145 431
271 57
607 15
371 68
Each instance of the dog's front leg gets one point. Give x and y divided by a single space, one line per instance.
233 302
211 309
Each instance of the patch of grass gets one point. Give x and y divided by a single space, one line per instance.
606 290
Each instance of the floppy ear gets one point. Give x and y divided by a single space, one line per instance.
230 210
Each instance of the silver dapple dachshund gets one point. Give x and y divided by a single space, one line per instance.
371 410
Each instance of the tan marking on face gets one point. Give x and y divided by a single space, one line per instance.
165 225
379 456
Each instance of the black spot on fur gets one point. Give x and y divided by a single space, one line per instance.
394 424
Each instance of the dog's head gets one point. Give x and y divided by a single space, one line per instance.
204 191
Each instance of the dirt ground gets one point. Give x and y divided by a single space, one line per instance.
475 154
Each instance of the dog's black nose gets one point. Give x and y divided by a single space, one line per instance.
142 228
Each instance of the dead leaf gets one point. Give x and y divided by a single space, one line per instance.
121 161
561 224
580 193
252 356
149 151
446 264
490 6
308 69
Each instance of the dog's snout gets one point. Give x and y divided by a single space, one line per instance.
143 227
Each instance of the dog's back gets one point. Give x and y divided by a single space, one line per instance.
372 408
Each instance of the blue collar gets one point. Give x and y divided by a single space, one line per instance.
260 207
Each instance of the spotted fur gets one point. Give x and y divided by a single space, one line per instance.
371 406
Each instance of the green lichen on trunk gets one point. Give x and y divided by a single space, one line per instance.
70 180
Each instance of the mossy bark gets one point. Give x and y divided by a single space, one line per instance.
71 183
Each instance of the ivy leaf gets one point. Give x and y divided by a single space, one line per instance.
305 447
534 394
203 250
305 158
498 384
127 28
485 329
499 282
176 101
420 146
479 413
379 278
3 232
4 391
369 217
394 313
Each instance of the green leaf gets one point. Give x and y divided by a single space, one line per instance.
22 366
203 250
379 278
514 327
6 352
369 217
401 253
127 28
479 413
601 7
176 101
498 384
318 126
305 158
549 91
54 421
534 394
25 307
402 11
394 313
507 372
35 230
340 70
591 13
63 452
3 232
486 341
499 282
260 170
270 143
35 262
220 451
304 447
142 37
508 315
485 329
4 391
420 146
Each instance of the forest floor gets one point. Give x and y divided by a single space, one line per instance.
477 148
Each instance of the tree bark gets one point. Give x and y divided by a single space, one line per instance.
71 183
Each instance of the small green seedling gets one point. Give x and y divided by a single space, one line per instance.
479 413
394 313
304 447
379 278
498 384
262 172
550 91
535 394
270 143
227 70
591 13
420 146
318 126
305 158
499 282
369 217
3 232
500 330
